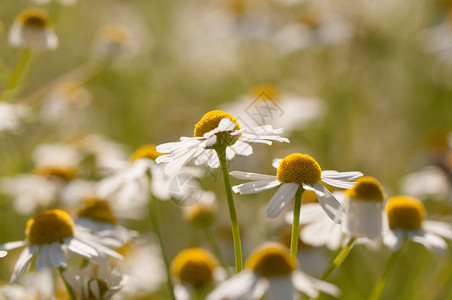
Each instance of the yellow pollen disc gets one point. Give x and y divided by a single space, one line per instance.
60 172
405 212
145 151
194 266
211 120
266 91
309 197
200 216
366 188
33 17
115 33
49 226
299 168
97 210
271 259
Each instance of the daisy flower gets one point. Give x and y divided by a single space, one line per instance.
36 285
113 41
203 213
269 271
406 219
195 269
430 183
50 237
266 105
95 282
297 171
33 29
11 116
63 2
216 130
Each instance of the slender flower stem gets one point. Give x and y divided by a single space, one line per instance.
234 224
153 215
339 258
295 226
68 286
215 248
379 287
17 75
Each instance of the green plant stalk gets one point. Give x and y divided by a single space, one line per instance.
234 224
17 75
380 285
341 256
295 226
68 286
153 216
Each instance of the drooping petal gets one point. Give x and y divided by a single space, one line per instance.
329 203
280 287
255 186
394 239
251 176
22 263
281 199
439 228
43 260
431 241
241 148
235 287
12 245
56 255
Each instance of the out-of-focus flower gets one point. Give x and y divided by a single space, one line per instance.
194 268
406 220
11 116
97 216
202 214
95 282
266 105
297 171
63 2
33 29
216 129
113 41
430 183
36 285
364 212
140 261
51 236
269 272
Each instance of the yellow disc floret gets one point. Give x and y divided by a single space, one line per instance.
366 188
270 259
49 226
200 216
211 120
299 168
33 18
145 151
405 212
115 33
65 173
266 91
194 266
97 210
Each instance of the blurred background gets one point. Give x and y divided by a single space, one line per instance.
375 75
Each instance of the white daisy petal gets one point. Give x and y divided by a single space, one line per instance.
183 291
12 245
394 239
178 162
22 263
57 256
280 287
255 186
439 228
329 203
347 176
276 162
235 287
43 261
304 283
242 148
281 199
431 241
338 183
251 176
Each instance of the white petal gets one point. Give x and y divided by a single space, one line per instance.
394 239
347 176
235 287
251 176
303 283
183 291
431 241
241 148
439 228
329 203
276 162
281 199
22 263
57 256
178 162
338 183
280 287
255 186
12 245
43 261
323 286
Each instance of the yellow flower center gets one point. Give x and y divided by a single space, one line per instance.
366 188
200 216
97 210
194 266
211 120
271 259
145 151
115 33
49 226
405 212
266 91
65 173
309 197
299 168
34 18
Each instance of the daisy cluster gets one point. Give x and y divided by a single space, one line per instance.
235 149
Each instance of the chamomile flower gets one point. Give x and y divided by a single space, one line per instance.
50 237
57 160
36 285
266 105
63 2
95 282
33 29
202 214
430 183
12 116
297 171
406 219
215 130
112 41
195 269
269 271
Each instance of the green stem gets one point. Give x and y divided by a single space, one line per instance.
339 258
234 224
295 226
153 215
68 286
379 287
17 75
216 249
